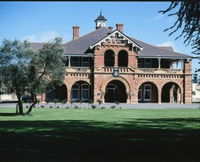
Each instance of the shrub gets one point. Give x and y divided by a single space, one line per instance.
113 106
93 106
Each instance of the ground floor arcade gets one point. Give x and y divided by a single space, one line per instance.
118 90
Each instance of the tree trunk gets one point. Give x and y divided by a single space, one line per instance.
34 101
19 107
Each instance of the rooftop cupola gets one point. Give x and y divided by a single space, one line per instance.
100 21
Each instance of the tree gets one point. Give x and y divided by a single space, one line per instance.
46 70
24 70
14 61
188 21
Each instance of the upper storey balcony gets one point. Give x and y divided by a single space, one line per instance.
160 66
76 64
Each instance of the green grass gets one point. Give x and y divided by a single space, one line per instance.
97 135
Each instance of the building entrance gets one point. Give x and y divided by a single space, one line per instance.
115 92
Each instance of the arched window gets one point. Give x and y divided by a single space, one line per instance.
75 92
85 92
123 58
109 58
148 92
80 91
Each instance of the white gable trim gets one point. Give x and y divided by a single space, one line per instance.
120 34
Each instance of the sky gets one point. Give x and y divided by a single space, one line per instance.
43 21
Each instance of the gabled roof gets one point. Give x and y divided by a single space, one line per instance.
121 34
82 44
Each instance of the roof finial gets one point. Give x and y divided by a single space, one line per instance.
101 12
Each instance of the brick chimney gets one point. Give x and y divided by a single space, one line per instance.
75 32
120 27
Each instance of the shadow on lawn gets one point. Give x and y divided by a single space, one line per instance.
156 140
8 114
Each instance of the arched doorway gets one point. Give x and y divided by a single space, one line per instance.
171 93
109 58
115 92
122 58
81 91
148 92
56 92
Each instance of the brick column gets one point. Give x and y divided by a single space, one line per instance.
187 82
97 93
116 60
134 98
159 95
69 93
171 95
178 95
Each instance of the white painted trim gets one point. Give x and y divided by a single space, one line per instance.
113 34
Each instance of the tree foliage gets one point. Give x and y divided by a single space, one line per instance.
27 71
14 61
188 21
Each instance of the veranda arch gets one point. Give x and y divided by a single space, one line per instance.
171 93
148 92
59 93
116 83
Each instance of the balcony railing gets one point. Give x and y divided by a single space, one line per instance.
124 70
159 71
111 69
78 70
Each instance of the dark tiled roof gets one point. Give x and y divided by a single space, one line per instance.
169 48
80 45
153 51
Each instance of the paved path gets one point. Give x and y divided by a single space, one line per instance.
109 105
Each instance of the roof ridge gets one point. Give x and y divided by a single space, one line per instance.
85 35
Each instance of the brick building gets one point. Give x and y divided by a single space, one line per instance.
109 65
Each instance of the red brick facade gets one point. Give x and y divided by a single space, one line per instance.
132 77
131 83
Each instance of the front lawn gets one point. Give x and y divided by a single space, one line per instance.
100 135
